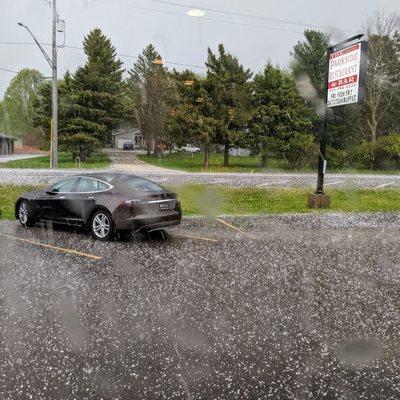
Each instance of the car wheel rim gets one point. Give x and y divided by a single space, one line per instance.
23 213
101 225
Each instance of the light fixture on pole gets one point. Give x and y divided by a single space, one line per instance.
158 61
196 13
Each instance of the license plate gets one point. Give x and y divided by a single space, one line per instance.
164 206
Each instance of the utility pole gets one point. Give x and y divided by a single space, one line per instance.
54 120
53 65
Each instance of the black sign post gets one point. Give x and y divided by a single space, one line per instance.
345 81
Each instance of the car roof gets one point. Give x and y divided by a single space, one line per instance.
116 179
109 177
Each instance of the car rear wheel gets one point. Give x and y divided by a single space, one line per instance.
101 225
25 214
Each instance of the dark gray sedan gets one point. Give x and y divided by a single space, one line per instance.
105 203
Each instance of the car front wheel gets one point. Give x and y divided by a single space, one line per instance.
101 225
25 215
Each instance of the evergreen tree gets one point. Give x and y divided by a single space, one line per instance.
281 121
96 103
229 90
192 113
149 87
309 58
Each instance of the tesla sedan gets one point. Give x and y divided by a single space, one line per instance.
105 203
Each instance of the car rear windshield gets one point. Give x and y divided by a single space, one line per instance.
140 185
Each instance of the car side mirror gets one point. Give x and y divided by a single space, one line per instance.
52 191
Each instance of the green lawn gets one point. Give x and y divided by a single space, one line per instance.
98 160
222 200
8 196
194 163
206 200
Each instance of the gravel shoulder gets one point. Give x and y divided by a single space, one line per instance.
273 180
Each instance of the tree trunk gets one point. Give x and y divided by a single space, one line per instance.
148 146
206 156
263 161
226 154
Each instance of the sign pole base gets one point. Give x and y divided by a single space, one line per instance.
319 200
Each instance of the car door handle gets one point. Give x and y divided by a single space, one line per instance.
90 198
62 197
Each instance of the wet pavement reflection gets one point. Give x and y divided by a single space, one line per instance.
290 307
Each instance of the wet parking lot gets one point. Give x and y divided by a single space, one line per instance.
288 307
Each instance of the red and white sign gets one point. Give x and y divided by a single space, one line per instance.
344 76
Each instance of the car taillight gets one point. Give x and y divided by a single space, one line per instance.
129 203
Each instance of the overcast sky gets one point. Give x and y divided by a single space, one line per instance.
131 25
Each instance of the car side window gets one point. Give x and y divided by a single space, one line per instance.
102 185
87 185
64 186
90 185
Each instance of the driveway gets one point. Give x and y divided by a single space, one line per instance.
14 157
288 307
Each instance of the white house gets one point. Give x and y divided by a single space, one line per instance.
132 135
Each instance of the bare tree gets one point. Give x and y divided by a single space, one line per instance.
383 73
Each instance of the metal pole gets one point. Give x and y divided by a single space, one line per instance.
322 133
54 133
322 155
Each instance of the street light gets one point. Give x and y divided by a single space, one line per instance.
158 61
196 13
46 56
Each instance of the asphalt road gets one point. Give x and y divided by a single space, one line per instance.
284 307
283 180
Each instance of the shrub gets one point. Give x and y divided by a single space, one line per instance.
301 151
371 155
391 146
383 153
337 158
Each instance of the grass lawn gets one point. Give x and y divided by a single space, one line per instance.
218 200
98 160
8 196
194 163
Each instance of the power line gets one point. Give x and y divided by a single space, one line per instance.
237 14
224 21
9 70
118 54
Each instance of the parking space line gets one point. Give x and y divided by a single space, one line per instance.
333 183
198 238
382 186
271 183
235 228
49 246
